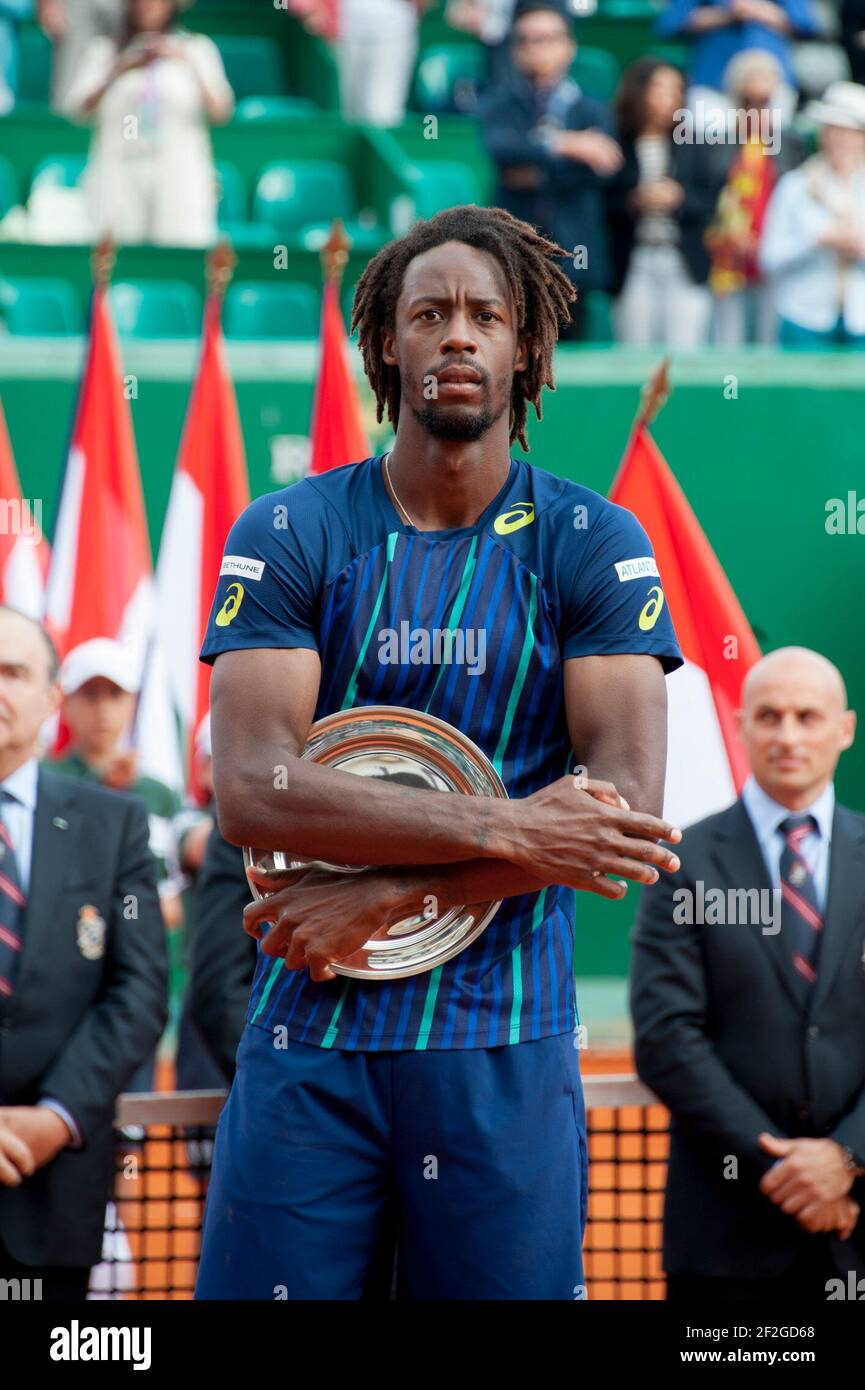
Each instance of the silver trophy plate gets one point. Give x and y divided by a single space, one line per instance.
414 750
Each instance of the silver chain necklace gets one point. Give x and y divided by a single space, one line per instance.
393 490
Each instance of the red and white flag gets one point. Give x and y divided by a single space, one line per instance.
706 763
209 490
24 552
100 583
338 436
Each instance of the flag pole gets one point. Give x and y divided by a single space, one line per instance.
334 252
102 259
654 395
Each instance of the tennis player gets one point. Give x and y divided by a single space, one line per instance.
448 1105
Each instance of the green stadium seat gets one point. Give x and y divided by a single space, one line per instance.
597 72
293 193
253 65
360 234
9 193
252 109
630 9
261 309
156 308
676 54
41 307
232 192
448 77
58 171
598 321
443 183
250 236
34 65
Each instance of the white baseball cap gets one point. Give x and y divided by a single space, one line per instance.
842 104
100 657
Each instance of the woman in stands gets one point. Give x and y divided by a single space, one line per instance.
659 207
152 97
813 246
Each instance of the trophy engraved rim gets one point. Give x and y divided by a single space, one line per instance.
410 748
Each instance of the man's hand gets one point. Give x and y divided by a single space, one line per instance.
565 832
662 195
16 1160
591 147
30 1136
810 1174
321 917
762 12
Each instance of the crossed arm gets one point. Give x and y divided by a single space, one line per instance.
458 849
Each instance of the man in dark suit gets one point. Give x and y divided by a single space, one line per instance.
223 955
748 999
83 980
553 148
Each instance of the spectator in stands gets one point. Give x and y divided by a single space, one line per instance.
152 96
72 25
813 245
553 148
659 207
756 153
82 981
376 50
100 684
719 29
489 21
12 12
853 36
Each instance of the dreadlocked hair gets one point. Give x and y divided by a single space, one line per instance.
540 292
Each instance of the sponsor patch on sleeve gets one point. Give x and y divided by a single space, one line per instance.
239 564
637 569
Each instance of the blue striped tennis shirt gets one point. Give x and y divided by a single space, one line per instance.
551 570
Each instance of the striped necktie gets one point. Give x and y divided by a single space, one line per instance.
11 907
801 918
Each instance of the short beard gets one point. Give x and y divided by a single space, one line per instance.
465 427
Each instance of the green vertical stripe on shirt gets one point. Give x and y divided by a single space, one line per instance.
351 688
519 679
456 612
265 993
425 1028
333 1027
517 968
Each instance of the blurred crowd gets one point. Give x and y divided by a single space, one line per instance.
715 204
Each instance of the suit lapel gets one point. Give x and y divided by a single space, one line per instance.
845 899
741 864
56 827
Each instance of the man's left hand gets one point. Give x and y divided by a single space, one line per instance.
321 916
809 1171
40 1128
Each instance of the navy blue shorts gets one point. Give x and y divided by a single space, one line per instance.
476 1157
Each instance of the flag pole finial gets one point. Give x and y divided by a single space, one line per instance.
654 394
334 252
219 267
102 259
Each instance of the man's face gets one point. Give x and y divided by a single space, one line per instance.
839 143
98 714
28 696
455 342
794 727
542 47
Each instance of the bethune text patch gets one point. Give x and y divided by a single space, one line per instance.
239 564
637 569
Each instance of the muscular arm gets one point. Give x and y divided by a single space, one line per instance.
616 709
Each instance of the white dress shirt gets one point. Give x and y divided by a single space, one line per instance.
766 816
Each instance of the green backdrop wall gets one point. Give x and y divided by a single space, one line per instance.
759 441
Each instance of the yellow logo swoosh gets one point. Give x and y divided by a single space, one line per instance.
520 514
651 612
234 598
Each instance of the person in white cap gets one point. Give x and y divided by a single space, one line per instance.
813 246
100 681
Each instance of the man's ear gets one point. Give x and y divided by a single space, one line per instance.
388 347
848 728
521 356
